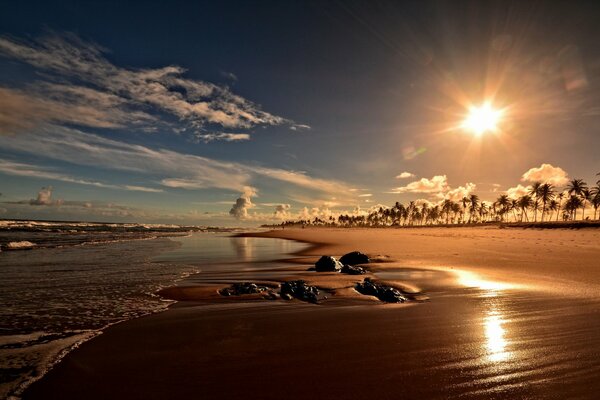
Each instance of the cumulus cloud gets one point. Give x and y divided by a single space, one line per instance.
405 175
518 191
240 208
44 198
282 211
95 92
436 184
546 173
460 192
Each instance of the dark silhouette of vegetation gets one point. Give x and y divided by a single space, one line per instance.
542 198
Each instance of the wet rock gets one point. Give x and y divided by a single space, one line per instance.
354 258
351 270
328 264
286 296
238 289
300 290
270 295
382 292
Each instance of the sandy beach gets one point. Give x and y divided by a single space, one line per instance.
509 313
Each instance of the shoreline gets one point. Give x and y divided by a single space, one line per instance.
544 258
228 347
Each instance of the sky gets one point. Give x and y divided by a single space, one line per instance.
246 112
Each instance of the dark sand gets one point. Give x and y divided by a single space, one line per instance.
474 338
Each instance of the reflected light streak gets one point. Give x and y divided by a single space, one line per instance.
471 280
494 334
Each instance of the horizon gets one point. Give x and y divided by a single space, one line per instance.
239 114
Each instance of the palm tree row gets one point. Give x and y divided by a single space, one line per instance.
542 199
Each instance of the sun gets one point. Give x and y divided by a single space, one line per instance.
482 119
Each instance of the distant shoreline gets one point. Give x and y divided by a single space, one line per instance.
501 225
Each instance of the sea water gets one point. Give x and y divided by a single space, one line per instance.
70 282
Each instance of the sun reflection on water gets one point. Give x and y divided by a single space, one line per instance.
490 288
495 337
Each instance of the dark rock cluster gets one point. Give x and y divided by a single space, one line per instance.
242 288
382 292
289 290
328 264
354 258
299 290
346 264
352 270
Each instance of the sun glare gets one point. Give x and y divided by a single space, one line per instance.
482 119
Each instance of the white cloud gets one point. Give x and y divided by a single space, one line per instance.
240 208
365 195
546 173
460 192
44 198
282 211
405 175
177 170
34 171
437 184
518 191
95 92
227 137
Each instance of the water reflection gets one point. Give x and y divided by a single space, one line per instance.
243 248
489 288
495 336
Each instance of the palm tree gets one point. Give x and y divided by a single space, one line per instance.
464 201
503 203
553 205
546 193
560 197
572 204
447 209
474 201
525 202
577 187
535 192
514 205
595 197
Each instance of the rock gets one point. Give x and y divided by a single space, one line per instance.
286 296
299 290
351 270
238 289
354 258
391 295
328 264
382 292
270 295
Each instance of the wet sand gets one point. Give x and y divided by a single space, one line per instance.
492 332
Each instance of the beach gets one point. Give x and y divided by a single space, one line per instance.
493 313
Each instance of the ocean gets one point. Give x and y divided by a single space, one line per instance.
63 283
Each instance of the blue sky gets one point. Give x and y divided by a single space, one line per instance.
231 113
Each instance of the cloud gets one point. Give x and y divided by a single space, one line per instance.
460 192
518 191
437 184
172 169
405 175
282 211
239 210
44 198
227 137
546 173
365 195
95 92
34 171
